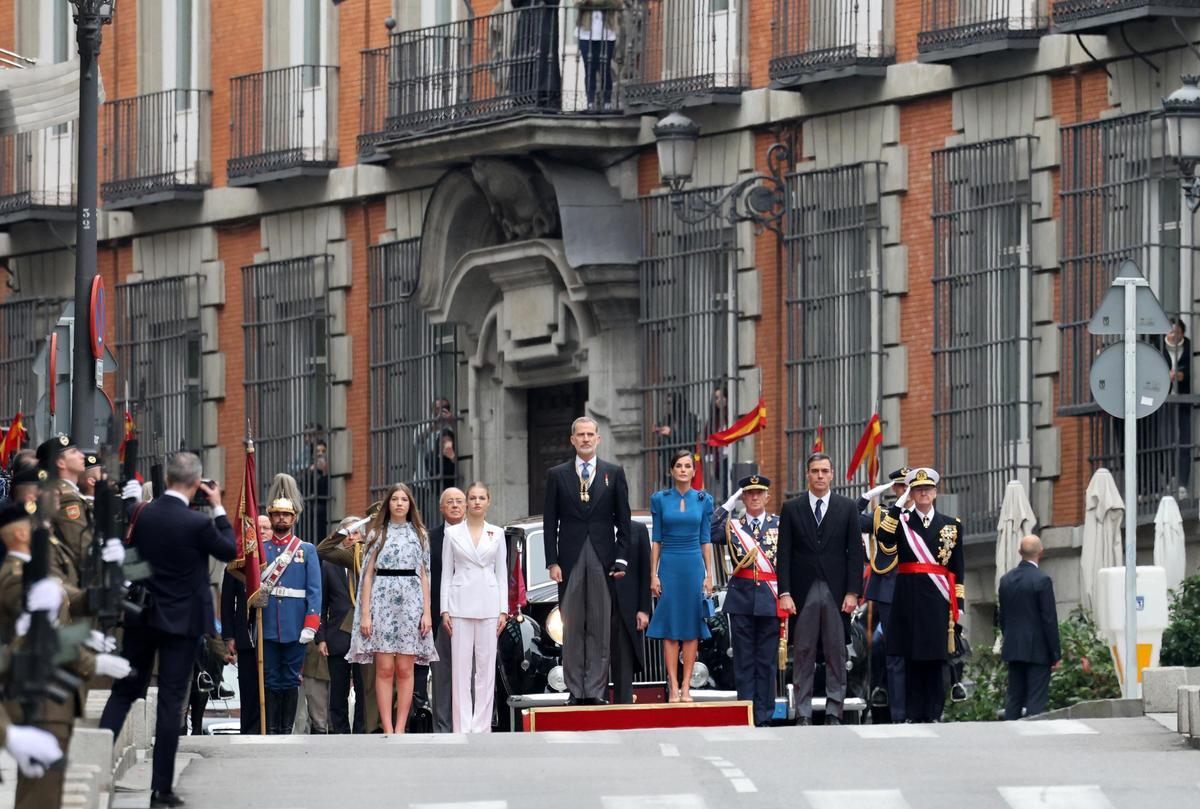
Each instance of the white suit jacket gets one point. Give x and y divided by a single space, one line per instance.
474 579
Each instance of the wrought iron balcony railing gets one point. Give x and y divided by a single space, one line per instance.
157 147
37 174
1093 15
955 28
684 49
818 39
486 68
283 124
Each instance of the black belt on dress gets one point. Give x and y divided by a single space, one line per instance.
395 572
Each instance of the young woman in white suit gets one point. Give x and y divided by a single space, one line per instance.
474 609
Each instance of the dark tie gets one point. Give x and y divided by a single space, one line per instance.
585 472
817 513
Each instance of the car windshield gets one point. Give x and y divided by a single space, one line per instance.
535 559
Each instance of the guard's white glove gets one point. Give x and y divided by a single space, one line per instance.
114 551
307 634
99 642
903 499
132 491
47 595
33 748
871 494
732 502
114 666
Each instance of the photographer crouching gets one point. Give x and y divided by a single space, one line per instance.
176 541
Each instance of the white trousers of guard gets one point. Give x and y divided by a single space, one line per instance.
473 639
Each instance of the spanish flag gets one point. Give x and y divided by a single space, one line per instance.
819 443
129 435
868 449
13 439
245 531
746 425
698 463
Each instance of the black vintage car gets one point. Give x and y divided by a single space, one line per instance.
530 648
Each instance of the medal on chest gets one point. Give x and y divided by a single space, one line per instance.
947 539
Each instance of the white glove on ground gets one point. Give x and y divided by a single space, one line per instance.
108 665
99 642
33 748
307 634
46 595
114 551
132 491
871 494
732 501
902 501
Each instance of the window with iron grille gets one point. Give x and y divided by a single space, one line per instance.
688 319
413 383
834 255
287 381
158 361
1119 202
24 325
981 323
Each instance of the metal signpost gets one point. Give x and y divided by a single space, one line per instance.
1129 309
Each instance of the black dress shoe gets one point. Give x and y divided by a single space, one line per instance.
833 720
598 701
573 700
164 799
803 721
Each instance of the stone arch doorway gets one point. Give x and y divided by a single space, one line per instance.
536 262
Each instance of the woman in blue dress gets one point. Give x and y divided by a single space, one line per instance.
681 564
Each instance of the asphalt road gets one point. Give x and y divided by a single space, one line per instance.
1066 764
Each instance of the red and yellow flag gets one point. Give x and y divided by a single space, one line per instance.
130 434
868 450
13 439
819 443
249 543
698 478
746 425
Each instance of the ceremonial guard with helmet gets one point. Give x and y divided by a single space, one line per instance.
929 594
751 601
290 596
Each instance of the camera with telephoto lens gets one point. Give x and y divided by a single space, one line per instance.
200 499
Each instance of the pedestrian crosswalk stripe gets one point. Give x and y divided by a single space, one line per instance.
280 739
1052 727
733 734
669 750
652 802
579 737
1055 797
461 805
743 785
841 798
894 731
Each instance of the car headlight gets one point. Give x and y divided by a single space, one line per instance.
556 679
554 626
699 675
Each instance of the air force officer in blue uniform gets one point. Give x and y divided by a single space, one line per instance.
750 601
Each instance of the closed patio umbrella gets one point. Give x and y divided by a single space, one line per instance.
1168 542
1016 520
1102 542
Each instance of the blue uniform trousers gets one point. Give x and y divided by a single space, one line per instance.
756 661
281 665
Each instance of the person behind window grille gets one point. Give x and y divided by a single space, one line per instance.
1177 349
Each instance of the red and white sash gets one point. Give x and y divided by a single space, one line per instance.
921 551
275 571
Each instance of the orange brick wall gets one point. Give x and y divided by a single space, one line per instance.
924 126
237 25
360 26
236 246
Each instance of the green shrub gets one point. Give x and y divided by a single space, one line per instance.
1087 672
1181 640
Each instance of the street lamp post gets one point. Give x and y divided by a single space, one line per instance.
90 17
757 198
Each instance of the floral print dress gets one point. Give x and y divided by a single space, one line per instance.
397 602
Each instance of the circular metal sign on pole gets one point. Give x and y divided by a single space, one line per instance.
52 377
98 317
1153 381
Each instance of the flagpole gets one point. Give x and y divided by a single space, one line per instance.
258 622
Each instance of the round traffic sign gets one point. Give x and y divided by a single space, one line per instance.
98 317
1108 379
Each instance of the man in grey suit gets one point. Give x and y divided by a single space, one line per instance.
1029 623
820 577
453 505
586 523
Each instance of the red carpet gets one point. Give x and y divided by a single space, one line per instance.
636 717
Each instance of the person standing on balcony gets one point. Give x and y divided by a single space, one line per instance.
586 537
681 571
534 75
599 21
1177 349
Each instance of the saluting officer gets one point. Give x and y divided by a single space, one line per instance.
887 671
751 600
291 600
929 592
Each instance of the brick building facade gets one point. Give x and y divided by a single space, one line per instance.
323 226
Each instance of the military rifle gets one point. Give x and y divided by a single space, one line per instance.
109 595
